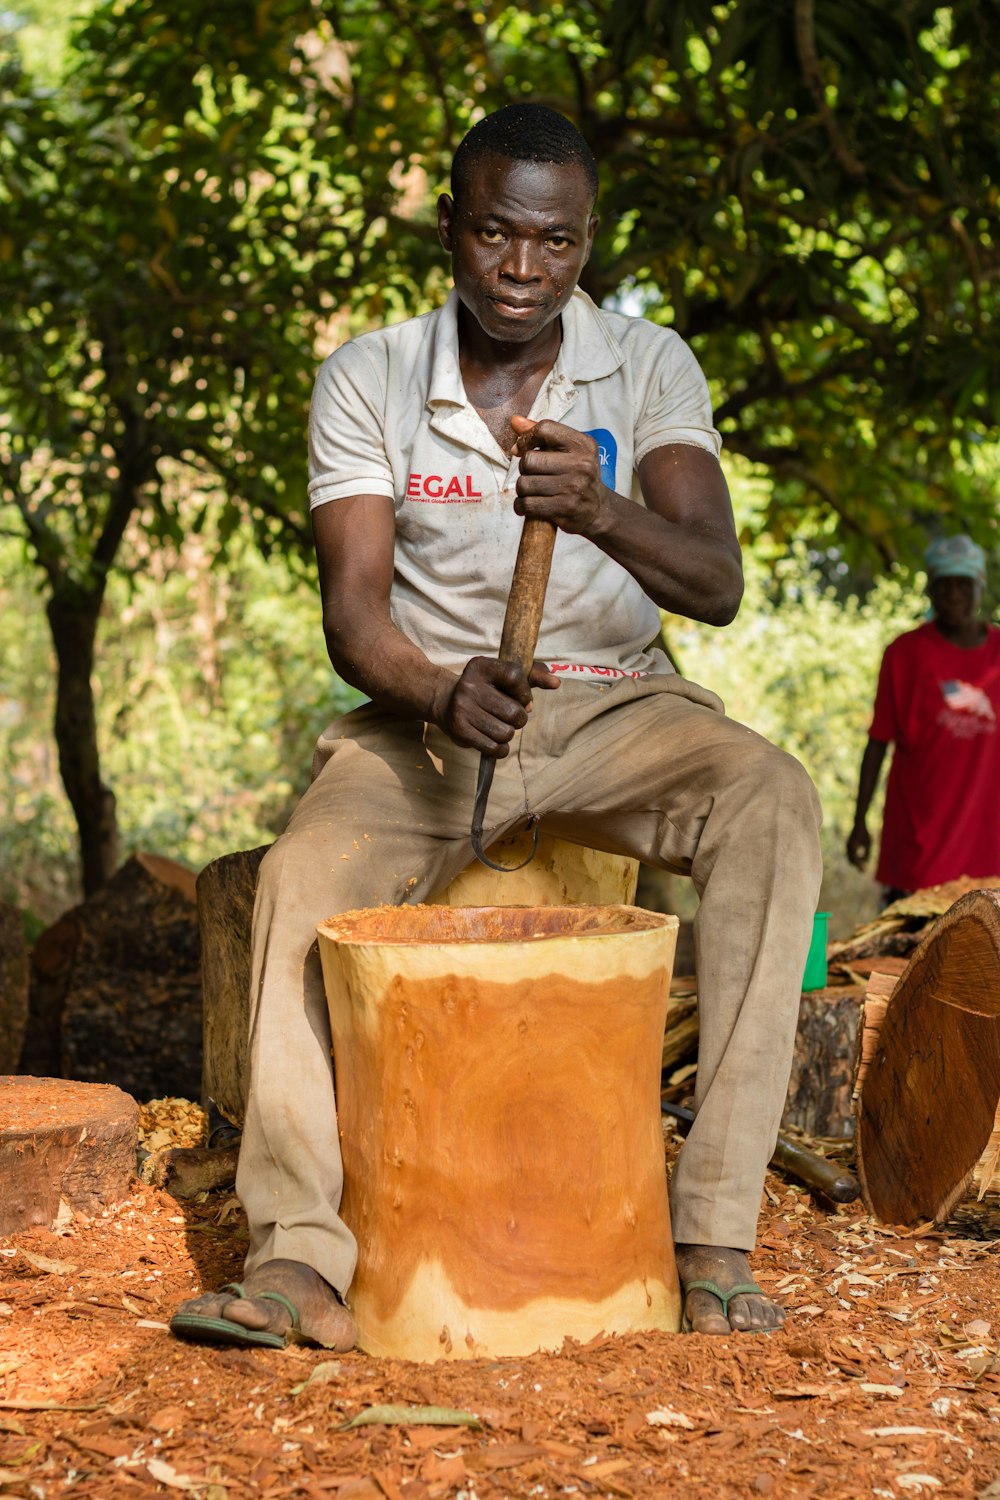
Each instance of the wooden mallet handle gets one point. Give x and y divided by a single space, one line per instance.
526 600
521 623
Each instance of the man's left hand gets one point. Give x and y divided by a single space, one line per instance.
560 479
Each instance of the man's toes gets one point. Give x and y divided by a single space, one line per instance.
751 1314
248 1312
705 1313
334 1329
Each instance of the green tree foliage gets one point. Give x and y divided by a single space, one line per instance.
151 310
806 190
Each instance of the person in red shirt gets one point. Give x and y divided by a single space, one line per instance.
938 704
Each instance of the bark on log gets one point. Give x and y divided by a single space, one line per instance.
225 916
65 1147
13 986
820 1088
115 994
928 1101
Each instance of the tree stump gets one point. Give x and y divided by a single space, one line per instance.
559 873
929 1095
822 1079
498 1097
65 1147
13 986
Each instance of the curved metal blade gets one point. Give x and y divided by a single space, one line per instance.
487 765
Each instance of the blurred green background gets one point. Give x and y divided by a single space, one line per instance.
197 203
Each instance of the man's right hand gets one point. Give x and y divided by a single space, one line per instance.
490 702
859 846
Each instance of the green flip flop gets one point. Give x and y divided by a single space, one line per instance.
745 1289
205 1330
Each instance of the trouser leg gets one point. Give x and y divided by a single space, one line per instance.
386 820
642 769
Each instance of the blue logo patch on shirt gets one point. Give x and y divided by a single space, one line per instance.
608 450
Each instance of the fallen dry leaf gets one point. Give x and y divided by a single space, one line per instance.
44 1263
412 1416
165 1473
327 1369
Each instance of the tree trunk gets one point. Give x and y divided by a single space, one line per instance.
73 615
929 1097
13 986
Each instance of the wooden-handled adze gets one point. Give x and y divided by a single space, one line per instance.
518 639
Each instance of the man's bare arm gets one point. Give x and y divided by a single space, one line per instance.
480 707
682 548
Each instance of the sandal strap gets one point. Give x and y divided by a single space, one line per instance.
234 1288
289 1307
744 1289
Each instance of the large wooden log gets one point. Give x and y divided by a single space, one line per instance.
115 993
65 1148
225 916
498 1097
560 872
930 1089
13 986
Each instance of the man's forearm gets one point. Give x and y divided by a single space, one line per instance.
871 766
378 659
690 572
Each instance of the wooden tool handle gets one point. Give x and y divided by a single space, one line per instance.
526 600
827 1177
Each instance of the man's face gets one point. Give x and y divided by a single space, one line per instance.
518 240
955 600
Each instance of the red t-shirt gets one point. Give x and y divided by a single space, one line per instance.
939 705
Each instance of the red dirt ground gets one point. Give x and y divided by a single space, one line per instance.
885 1381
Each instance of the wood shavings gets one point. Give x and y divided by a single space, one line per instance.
171 1122
793 1404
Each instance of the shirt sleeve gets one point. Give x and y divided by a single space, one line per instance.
885 716
675 406
347 452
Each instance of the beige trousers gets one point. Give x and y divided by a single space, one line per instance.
650 768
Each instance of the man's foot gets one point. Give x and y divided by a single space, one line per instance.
749 1311
281 1300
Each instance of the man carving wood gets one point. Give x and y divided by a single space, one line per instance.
429 441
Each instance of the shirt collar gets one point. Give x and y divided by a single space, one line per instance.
589 350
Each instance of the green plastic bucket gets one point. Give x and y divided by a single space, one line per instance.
815 975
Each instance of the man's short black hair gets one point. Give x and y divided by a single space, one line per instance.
522 132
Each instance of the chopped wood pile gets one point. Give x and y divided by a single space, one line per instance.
896 931
821 1097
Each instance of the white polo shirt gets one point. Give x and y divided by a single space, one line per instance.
390 417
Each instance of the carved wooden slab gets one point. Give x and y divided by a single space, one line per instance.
928 1098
